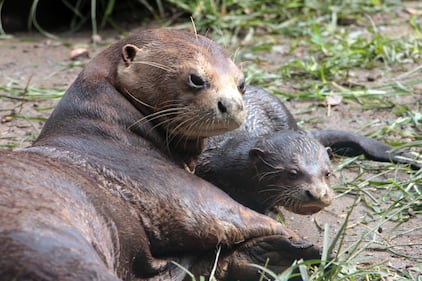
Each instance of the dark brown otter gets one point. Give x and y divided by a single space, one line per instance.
270 162
287 168
102 195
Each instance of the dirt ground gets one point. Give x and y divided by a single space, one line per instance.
33 60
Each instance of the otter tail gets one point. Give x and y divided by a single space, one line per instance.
353 144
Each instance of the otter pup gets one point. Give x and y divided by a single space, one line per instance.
270 162
287 168
103 193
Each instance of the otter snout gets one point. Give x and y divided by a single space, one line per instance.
231 105
233 110
319 194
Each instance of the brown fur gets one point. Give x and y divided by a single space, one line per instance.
102 195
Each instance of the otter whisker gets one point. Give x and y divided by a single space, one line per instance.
169 121
266 163
177 102
275 199
156 115
157 65
271 173
268 190
194 125
138 100
171 132
189 129
163 122
187 120
281 186
198 124
263 175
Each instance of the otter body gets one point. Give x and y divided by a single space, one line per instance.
270 162
103 193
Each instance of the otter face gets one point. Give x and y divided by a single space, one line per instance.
294 172
185 85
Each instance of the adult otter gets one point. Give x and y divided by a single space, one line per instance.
270 162
102 195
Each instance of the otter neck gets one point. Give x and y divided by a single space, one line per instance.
77 120
181 150
231 169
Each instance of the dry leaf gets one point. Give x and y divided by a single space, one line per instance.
333 100
413 11
79 53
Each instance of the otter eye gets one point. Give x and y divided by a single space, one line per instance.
241 86
292 174
327 174
197 82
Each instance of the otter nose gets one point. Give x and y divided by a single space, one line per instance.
231 106
322 194
222 107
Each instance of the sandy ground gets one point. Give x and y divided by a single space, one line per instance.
35 61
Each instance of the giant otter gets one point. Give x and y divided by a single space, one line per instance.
270 162
103 193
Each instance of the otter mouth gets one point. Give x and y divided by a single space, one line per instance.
306 209
309 210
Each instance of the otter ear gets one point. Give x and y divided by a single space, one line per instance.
255 154
329 151
129 52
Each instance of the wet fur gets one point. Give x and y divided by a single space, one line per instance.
102 194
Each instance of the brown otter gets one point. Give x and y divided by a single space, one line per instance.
269 161
102 195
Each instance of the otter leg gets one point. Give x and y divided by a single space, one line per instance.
352 144
59 255
276 252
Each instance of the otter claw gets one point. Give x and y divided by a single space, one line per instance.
303 245
277 252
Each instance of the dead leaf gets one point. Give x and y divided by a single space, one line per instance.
79 53
6 119
333 100
413 11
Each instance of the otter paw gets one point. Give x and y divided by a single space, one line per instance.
277 252
150 267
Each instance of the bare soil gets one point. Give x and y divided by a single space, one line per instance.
33 60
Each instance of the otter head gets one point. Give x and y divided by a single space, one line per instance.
293 171
182 83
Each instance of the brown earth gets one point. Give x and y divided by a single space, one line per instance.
35 61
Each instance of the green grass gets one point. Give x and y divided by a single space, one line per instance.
326 49
21 95
27 93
